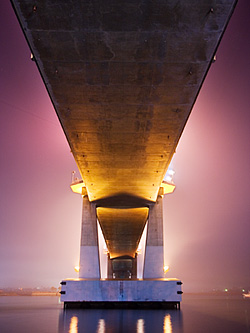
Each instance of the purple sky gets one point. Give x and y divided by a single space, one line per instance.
207 219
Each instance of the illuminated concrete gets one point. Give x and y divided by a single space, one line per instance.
154 256
79 187
89 253
80 290
116 223
123 77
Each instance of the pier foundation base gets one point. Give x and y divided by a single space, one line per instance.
150 293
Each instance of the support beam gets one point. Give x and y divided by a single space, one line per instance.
89 255
154 261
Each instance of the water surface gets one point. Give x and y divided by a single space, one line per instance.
198 314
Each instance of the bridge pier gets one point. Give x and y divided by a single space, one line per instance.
89 252
122 287
154 253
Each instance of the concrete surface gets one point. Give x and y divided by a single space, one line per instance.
123 77
154 252
89 252
80 290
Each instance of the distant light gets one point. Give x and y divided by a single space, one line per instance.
166 269
243 290
171 172
77 269
169 176
225 289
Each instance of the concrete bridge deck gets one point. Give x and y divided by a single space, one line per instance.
123 77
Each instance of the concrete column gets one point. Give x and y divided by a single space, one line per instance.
89 254
154 261
110 269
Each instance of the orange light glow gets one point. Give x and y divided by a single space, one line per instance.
167 187
77 269
73 326
167 328
166 269
77 186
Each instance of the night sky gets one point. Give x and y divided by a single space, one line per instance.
207 218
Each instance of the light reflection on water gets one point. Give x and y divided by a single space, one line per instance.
140 326
73 326
101 326
167 327
106 320
198 313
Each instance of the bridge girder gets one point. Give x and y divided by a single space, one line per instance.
123 77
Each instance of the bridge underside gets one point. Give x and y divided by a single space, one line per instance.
123 77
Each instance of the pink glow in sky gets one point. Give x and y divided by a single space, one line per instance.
207 219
